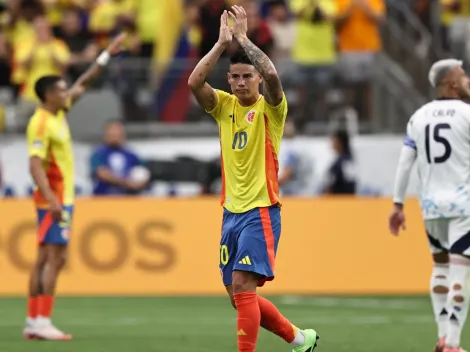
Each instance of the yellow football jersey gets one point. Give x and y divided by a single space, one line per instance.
49 138
250 139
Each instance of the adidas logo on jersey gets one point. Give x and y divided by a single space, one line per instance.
241 332
245 261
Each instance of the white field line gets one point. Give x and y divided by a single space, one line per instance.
205 322
392 304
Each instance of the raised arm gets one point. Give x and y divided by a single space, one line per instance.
83 82
203 92
272 88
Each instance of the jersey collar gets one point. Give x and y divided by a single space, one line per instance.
40 108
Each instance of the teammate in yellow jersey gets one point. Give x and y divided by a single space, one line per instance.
251 127
52 169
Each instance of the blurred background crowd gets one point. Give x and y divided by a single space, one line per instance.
350 68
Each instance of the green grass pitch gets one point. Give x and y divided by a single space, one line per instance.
346 324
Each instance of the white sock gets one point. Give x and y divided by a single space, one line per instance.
458 281
30 321
439 281
299 338
43 321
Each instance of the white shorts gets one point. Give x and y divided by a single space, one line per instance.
449 235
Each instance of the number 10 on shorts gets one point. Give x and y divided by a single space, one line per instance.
224 256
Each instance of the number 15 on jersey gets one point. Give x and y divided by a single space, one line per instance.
433 134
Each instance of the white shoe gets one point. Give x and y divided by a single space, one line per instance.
50 332
29 329
29 333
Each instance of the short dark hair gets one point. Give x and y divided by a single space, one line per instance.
45 84
240 57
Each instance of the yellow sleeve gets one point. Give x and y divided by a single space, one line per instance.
62 51
222 99
38 137
277 114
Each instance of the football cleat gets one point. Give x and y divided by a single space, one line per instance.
311 339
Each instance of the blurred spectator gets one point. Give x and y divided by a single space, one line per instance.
424 11
41 55
209 22
455 16
109 17
282 28
113 164
5 71
359 42
54 12
56 9
295 170
149 12
19 19
83 49
314 54
258 30
342 172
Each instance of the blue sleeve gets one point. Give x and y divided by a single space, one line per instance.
409 142
97 160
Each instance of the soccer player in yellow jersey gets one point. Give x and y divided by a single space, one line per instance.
52 169
251 127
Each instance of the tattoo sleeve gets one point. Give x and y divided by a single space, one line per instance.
272 83
202 91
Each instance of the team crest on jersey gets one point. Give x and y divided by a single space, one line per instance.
250 116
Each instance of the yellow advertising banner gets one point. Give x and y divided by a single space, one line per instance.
152 247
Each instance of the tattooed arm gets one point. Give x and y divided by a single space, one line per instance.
202 91
272 88
272 84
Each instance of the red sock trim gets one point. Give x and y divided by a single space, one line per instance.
273 321
249 318
32 307
45 305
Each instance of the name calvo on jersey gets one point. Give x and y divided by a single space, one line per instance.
443 113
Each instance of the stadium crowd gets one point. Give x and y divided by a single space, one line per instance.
316 44
323 49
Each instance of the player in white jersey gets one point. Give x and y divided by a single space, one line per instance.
438 140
